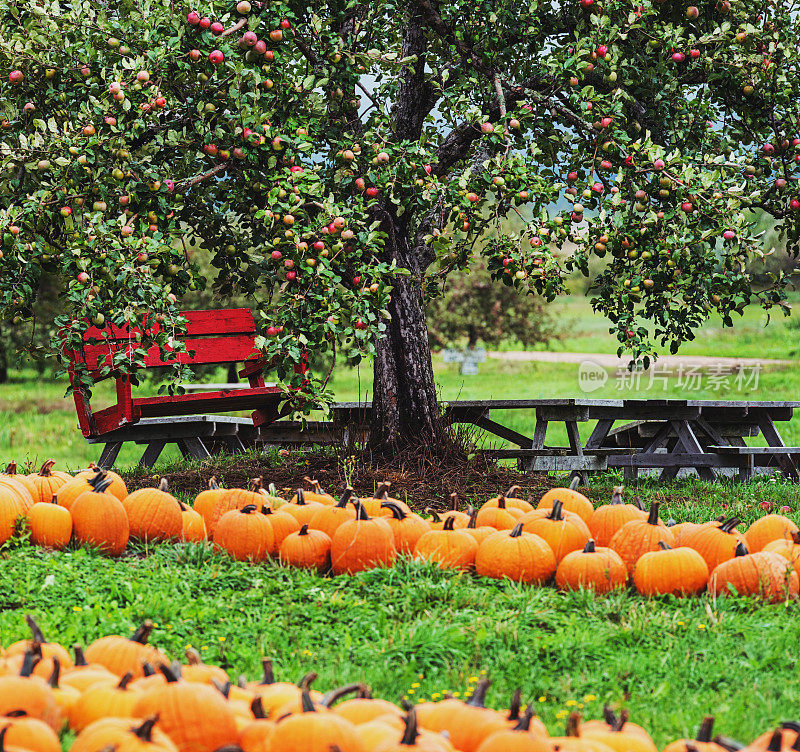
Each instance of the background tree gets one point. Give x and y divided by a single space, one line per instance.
327 155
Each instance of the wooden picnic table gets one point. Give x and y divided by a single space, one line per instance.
663 434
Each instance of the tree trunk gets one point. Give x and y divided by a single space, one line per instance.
3 360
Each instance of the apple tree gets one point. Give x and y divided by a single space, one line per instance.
329 155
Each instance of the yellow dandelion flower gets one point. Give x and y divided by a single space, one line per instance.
222 638
681 624
589 698
701 626
456 694
415 685
542 699
561 714
473 679
436 695
77 608
571 703
410 691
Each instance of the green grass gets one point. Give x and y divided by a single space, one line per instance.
674 659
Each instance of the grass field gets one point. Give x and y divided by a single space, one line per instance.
413 631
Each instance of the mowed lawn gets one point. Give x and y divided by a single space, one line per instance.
415 632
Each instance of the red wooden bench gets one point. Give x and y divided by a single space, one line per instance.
218 337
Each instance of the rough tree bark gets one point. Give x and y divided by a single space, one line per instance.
405 410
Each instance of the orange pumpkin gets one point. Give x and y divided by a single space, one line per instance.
229 500
196 670
31 695
117 487
500 516
764 574
640 536
66 696
283 525
301 509
47 482
29 734
327 518
307 549
193 527
373 504
11 510
599 569
621 736
449 548
256 735
121 655
769 528
516 739
715 542
609 518
50 525
153 514
39 646
128 734
788 548
675 571
563 534
21 483
276 695
412 739
571 500
362 543
480 534
314 731
99 519
510 501
195 716
205 501
515 555
701 743
245 534
316 494
104 701
407 528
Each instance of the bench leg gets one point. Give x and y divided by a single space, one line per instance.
746 468
193 448
109 454
539 433
152 453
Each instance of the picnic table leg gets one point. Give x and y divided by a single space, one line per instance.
575 445
109 454
773 439
152 453
539 433
686 437
746 468
599 434
193 448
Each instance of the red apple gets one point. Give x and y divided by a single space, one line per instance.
729 234
249 38
216 57
687 207
272 331
194 55
678 57
204 22
216 28
658 164
15 77
360 324
143 76
694 52
193 18
291 276
692 12
372 191
82 277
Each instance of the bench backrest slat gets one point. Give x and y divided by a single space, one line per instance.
212 338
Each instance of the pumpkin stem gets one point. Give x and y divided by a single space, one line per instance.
609 716
364 693
11 468
303 530
142 635
163 485
397 512
169 673
795 537
382 491
664 546
637 502
435 518
36 633
266 510
728 525
256 485
449 522
147 668
512 492
184 507
47 468
100 482
336 694
589 548
501 502
29 662
573 484
556 511
515 705
361 512
775 741
454 501
307 703
242 682
249 509
257 709
524 723
478 697
267 676
307 680
301 497
473 518
731 745
212 484
125 680
412 732
56 673
616 495
80 658
706 729
573 725
145 731
741 549
344 499
3 737
623 719
223 689
517 531
652 517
